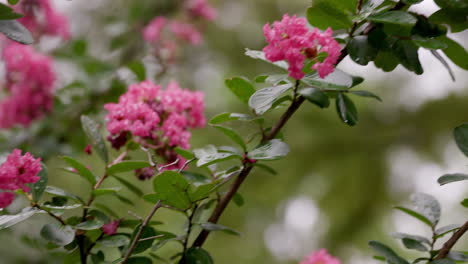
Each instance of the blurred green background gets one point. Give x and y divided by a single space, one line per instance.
334 190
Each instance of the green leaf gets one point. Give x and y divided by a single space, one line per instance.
9 220
465 203
451 4
38 188
13 30
138 68
460 133
442 261
387 252
13 2
449 178
141 246
202 192
126 166
184 153
106 191
238 199
81 169
114 241
226 117
196 179
106 209
61 207
139 260
90 225
346 110
233 135
439 232
196 256
216 227
7 12
455 18
394 17
260 55
271 150
414 244
386 61
412 237
366 94
129 186
426 208
446 65
263 99
151 198
91 129
124 199
455 52
411 2
241 87
61 193
210 155
171 187
58 234
429 43
360 50
325 13
316 97
417 215
407 53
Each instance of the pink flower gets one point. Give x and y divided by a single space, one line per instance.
42 19
152 32
29 83
88 149
320 257
291 40
201 8
6 198
186 32
19 170
111 227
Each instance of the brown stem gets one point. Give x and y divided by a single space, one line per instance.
140 231
56 217
444 251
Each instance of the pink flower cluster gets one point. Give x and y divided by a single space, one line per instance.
320 257
290 39
183 31
29 85
201 8
158 118
17 171
42 19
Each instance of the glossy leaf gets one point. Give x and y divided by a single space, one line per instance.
81 169
202 192
216 227
226 117
210 155
139 260
241 87
414 244
458 256
337 80
394 17
429 43
426 208
453 17
196 256
233 135
346 110
61 193
366 94
13 30
407 54
184 153
316 97
38 188
106 191
58 234
442 261
238 199
126 166
263 99
360 50
387 252
449 178
9 220
145 244
460 133
325 13
439 232
171 187
271 150
114 241
455 52
91 129
465 203
90 225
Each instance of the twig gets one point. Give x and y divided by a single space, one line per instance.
444 251
56 217
185 165
136 239
149 238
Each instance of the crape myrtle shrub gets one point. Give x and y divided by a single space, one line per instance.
157 119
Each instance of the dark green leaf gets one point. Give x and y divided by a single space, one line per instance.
114 241
386 61
9 220
106 191
124 199
241 87
414 244
394 17
263 99
460 133
455 52
15 31
233 135
325 13
442 261
387 252
13 2
452 4
412 237
216 227
448 178
429 43
38 188
129 186
465 203
346 110
61 193
366 94
7 12
171 187
126 166
196 256
90 225
439 232
184 153
271 150
238 199
138 68
446 65
91 129
316 97
414 214
202 192
139 260
81 169
58 234
145 244
412 2
225 117
407 53
455 18
360 50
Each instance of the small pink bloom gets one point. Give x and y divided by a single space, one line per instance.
145 173
291 40
152 32
186 32
19 170
201 8
6 198
111 227
88 149
320 257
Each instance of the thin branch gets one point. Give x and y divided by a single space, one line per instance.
149 238
136 239
56 217
445 250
